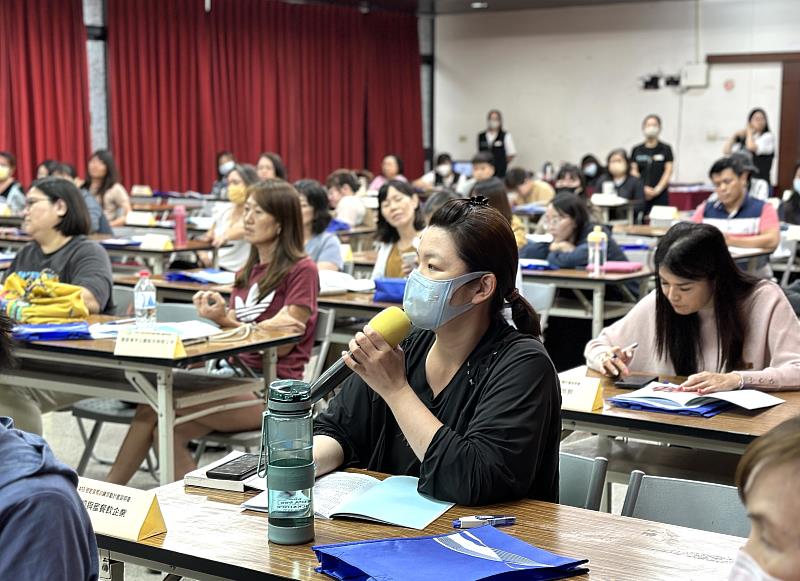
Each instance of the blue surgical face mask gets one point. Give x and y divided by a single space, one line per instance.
427 301
590 170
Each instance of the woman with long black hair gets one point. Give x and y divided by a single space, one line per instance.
707 320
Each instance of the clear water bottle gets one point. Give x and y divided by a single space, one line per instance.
287 437
598 248
144 301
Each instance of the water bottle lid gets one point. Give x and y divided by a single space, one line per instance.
289 395
144 273
597 235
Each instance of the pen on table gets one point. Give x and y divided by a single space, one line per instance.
121 322
471 522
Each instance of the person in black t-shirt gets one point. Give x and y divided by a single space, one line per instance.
468 404
652 161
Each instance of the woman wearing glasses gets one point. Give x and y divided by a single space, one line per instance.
56 218
567 219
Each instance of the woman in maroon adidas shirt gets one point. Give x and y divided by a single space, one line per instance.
276 290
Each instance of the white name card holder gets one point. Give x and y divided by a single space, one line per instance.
155 344
581 394
121 511
156 242
136 218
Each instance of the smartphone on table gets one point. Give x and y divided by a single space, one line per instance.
237 469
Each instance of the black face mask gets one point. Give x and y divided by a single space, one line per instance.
565 190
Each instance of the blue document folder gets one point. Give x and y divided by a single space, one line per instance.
470 555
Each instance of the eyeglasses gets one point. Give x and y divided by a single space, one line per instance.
30 202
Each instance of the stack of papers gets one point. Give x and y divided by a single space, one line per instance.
336 283
186 330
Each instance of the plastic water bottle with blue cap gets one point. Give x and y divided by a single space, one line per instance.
144 301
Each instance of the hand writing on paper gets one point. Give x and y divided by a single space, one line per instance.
615 362
706 382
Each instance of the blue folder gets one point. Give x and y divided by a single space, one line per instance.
470 555
708 410
51 332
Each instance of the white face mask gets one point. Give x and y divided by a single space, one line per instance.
444 169
651 131
745 568
225 168
494 124
796 184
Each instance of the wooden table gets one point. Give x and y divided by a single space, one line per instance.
357 237
180 291
730 431
640 230
209 537
11 221
158 258
89 357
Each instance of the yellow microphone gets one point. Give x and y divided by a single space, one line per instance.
391 323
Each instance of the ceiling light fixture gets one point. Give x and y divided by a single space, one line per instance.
479 5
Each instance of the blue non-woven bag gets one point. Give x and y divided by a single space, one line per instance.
51 332
708 410
470 555
390 290
337 226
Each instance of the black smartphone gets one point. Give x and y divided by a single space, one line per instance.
635 381
237 469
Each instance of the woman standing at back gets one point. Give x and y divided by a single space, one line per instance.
652 161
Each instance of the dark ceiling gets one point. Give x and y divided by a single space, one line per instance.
463 6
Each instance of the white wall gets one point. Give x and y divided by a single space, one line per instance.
567 79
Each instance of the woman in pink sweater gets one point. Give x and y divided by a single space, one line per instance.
707 320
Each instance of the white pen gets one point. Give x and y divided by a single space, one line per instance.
629 349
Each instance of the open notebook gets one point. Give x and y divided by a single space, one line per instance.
686 401
392 501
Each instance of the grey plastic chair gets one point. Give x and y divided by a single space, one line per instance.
581 480
178 313
541 297
316 363
699 505
103 411
122 296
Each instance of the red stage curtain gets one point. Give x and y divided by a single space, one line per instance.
162 116
253 76
288 79
44 96
394 100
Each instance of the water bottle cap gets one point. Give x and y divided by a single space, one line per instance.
144 273
597 235
289 395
